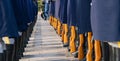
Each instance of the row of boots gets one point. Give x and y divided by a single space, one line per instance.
83 46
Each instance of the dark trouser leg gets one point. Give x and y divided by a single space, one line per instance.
1 57
105 51
9 52
16 47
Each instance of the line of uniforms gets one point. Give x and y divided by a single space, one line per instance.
17 19
89 28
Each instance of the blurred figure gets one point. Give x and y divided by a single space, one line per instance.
44 14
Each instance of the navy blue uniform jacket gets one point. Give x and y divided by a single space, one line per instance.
8 26
105 20
24 13
71 13
57 7
63 11
52 8
83 16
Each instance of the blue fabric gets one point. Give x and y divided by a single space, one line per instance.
52 8
24 12
46 10
57 7
8 26
30 11
46 1
60 10
35 7
63 9
19 10
105 20
71 13
83 16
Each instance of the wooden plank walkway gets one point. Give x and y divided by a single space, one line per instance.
45 45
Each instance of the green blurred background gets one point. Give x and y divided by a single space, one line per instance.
40 6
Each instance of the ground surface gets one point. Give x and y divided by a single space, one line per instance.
45 45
